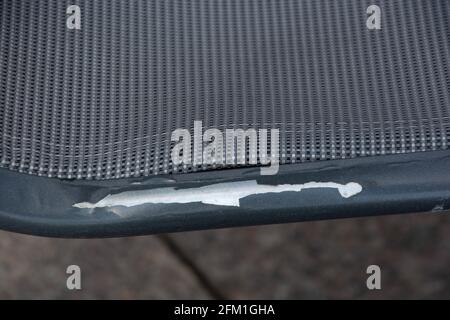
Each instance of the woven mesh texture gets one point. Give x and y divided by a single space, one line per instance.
102 102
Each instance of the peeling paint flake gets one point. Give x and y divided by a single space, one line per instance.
221 194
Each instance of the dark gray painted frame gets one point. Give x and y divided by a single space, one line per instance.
404 183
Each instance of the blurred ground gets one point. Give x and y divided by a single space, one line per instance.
326 259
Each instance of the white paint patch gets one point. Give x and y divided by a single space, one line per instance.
221 194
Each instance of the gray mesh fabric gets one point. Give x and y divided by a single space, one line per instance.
102 102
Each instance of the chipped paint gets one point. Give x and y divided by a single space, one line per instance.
438 208
221 194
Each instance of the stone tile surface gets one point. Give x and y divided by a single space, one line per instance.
141 268
328 259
